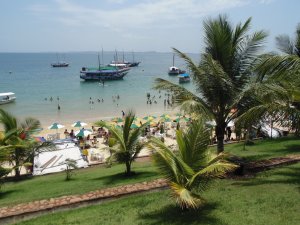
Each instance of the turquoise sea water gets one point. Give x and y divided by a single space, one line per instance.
31 77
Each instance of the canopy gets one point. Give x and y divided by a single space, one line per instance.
83 132
79 124
55 126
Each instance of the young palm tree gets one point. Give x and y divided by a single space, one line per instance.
222 75
18 139
191 170
127 141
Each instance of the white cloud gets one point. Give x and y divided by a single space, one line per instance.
266 1
143 14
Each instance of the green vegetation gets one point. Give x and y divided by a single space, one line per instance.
270 198
17 145
265 149
127 144
54 185
191 171
98 177
222 76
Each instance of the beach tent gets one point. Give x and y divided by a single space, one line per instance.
53 161
79 124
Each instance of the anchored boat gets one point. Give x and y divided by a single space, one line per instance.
103 73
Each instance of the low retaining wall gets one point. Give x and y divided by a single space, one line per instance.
14 213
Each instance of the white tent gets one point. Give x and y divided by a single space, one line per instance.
54 160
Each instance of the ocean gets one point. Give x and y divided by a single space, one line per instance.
31 77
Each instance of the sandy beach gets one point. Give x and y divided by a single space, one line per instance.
99 152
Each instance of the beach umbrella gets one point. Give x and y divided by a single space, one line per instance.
178 114
83 132
79 124
134 126
165 116
137 119
149 118
55 126
166 120
117 120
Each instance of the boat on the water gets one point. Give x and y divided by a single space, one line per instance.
60 64
103 73
184 78
7 97
173 70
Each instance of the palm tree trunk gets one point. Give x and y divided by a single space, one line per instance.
128 168
17 172
220 132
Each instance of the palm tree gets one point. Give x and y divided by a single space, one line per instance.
18 139
127 143
288 45
277 85
191 170
222 74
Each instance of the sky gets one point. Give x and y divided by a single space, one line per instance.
133 25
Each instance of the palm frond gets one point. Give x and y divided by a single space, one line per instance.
217 169
184 98
185 198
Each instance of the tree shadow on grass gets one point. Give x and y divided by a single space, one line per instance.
114 179
172 214
273 177
8 193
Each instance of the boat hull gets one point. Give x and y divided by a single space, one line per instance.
11 99
102 75
60 64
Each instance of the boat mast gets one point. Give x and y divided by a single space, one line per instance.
99 61
132 56
173 58
102 56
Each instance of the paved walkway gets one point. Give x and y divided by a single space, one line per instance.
17 212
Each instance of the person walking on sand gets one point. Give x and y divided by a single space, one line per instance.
123 113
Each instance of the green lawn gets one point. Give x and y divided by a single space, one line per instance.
44 187
270 198
84 180
264 149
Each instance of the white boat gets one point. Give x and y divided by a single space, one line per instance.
7 97
173 70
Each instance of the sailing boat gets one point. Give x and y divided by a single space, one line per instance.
133 63
173 70
103 73
59 63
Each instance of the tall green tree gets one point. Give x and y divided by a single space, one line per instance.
191 170
277 85
127 143
221 76
18 139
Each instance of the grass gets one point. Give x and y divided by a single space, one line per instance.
84 180
48 186
264 149
270 198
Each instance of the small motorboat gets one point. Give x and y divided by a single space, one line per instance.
184 78
7 97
